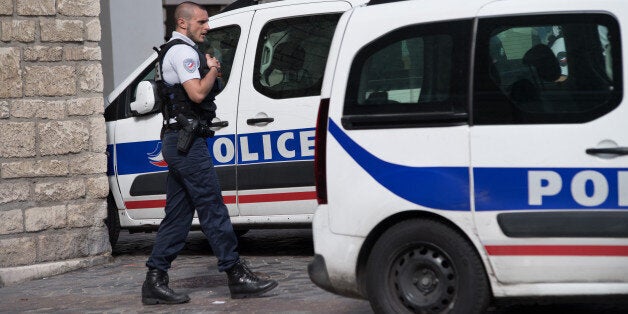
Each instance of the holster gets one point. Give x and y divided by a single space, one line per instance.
185 141
187 133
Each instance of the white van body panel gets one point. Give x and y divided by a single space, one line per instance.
357 202
550 147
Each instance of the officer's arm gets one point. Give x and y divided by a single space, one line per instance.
198 89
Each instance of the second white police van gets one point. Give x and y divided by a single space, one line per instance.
473 149
272 56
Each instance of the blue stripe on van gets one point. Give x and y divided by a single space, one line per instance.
496 188
253 148
507 189
435 187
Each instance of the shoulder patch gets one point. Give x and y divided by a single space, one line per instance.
190 65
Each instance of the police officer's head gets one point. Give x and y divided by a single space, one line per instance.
191 21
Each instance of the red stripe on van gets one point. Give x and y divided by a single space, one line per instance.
231 199
145 204
557 250
279 197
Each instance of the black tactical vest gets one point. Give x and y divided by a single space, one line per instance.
174 99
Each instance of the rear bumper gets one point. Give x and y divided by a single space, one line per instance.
336 256
318 273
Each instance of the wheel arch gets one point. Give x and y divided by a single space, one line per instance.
385 224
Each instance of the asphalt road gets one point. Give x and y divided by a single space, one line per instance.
280 254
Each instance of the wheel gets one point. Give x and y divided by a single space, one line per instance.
424 266
112 221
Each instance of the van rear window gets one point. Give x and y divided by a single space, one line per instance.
410 77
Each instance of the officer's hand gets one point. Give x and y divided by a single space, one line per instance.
211 61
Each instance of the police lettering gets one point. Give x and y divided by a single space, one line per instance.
258 147
543 184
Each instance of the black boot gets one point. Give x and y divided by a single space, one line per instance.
243 283
155 289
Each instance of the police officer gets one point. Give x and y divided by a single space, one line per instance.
556 42
186 80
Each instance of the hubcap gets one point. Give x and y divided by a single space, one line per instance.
424 280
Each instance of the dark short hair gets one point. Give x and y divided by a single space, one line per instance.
185 10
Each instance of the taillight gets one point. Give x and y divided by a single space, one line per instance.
320 146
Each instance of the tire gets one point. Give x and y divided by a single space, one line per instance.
112 221
424 266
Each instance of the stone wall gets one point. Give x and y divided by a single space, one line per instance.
53 183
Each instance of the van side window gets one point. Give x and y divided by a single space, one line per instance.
222 43
547 69
291 56
412 76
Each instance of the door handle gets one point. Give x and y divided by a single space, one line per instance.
216 124
219 124
254 121
620 151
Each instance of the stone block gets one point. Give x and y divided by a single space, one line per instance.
6 7
62 137
55 246
99 134
11 221
11 74
90 77
53 110
97 187
84 106
50 80
53 30
43 53
25 108
100 106
36 7
97 242
59 190
17 139
18 30
5 112
18 251
88 163
14 191
29 108
87 214
42 218
34 168
93 30
82 53
78 7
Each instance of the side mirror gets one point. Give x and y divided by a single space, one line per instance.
146 99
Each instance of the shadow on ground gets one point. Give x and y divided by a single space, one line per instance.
263 242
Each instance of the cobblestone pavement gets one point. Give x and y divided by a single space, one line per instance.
115 288
281 254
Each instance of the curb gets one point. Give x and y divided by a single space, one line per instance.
13 275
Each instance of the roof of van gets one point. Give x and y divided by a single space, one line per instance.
245 6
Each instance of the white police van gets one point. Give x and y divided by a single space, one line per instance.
272 57
460 155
